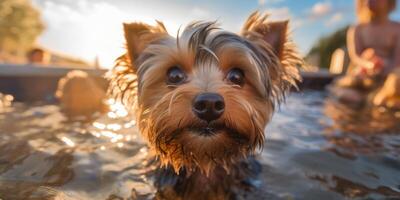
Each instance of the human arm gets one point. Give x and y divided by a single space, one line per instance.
355 48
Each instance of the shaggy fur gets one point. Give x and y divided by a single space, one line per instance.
263 51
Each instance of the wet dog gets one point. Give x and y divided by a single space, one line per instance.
202 100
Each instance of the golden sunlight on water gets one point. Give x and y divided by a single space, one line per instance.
99 125
117 109
109 130
61 154
68 141
313 148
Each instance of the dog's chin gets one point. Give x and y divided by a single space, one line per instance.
212 136
208 131
204 146
213 130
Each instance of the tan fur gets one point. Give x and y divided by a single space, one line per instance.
206 54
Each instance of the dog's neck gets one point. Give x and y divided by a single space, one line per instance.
218 184
195 185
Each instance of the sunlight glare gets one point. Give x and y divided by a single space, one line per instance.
114 137
68 141
99 125
130 124
117 109
114 127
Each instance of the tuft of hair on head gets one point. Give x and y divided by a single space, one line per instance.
274 37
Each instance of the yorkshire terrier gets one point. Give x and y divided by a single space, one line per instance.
203 99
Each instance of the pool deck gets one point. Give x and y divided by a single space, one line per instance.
30 83
316 80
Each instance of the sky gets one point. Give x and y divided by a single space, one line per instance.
87 29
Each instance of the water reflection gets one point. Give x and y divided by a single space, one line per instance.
366 120
49 156
368 135
68 141
353 190
117 109
332 151
363 131
314 150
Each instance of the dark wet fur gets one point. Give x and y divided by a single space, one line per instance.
243 178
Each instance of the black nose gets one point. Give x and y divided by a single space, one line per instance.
208 106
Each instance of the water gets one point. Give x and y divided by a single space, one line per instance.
315 149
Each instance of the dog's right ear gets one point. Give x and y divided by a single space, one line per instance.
139 35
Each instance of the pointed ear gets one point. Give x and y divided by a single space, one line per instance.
274 33
139 35
273 38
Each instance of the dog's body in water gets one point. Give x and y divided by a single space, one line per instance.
202 100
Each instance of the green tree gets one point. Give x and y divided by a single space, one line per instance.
325 46
20 25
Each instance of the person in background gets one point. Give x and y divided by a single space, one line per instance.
374 49
38 56
80 94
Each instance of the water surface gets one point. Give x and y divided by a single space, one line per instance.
315 149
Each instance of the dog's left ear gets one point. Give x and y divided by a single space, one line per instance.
273 33
277 51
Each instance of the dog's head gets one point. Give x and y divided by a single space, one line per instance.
204 98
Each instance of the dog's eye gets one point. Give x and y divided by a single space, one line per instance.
236 76
175 76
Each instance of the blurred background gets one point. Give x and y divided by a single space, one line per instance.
89 32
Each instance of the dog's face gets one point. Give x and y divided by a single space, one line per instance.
204 98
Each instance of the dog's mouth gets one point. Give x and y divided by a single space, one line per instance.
210 130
